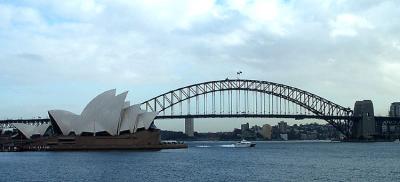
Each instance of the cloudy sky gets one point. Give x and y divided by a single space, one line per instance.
59 54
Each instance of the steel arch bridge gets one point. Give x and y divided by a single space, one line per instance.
248 98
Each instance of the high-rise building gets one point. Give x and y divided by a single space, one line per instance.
255 129
266 131
284 136
282 126
394 109
189 127
245 127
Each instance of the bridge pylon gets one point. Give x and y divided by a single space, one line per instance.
365 127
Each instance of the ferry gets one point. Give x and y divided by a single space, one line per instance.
244 143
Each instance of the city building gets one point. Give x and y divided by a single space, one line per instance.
189 127
394 109
266 131
311 131
245 127
248 133
388 129
255 129
282 126
284 137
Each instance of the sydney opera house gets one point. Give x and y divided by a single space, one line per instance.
107 122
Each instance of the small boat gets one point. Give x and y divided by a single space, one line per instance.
397 141
244 143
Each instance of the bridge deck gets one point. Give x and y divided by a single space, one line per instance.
254 116
297 117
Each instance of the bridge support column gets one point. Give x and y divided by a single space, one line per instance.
189 127
379 128
365 128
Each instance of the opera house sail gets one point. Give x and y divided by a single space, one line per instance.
106 114
107 122
30 131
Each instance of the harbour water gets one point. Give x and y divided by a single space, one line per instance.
213 161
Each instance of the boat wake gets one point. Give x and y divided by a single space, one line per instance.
228 146
203 146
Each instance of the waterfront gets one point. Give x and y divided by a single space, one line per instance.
213 161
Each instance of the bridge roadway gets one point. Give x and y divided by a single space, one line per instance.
297 117
32 121
379 119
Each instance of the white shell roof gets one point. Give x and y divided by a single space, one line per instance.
70 121
130 118
106 112
30 130
103 113
145 119
127 104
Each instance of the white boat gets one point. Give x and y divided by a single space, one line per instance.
397 141
244 143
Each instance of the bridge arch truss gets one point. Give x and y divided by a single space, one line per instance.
248 98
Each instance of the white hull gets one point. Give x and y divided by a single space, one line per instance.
244 144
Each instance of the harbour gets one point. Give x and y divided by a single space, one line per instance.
213 161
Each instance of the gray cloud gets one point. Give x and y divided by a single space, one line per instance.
341 50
